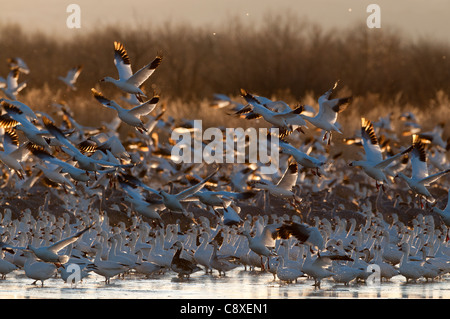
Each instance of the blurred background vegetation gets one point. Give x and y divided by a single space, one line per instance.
286 59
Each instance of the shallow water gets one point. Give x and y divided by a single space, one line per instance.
238 284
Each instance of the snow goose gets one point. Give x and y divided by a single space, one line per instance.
222 263
13 155
74 172
6 267
387 270
374 165
262 241
12 85
172 201
286 121
105 268
87 163
420 178
444 213
182 266
305 234
230 215
204 251
19 63
50 253
145 267
139 204
317 267
132 116
411 270
71 77
128 81
302 158
33 133
38 270
326 118
288 270
25 109
283 188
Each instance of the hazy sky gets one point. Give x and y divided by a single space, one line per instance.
416 18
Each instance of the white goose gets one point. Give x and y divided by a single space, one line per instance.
261 242
222 263
420 178
128 81
287 121
13 155
326 118
71 77
50 253
444 213
305 234
302 158
283 188
12 85
6 267
105 268
132 116
374 165
37 270
411 270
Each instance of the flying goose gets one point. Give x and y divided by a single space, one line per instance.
132 116
420 178
374 165
326 118
128 81
71 77
12 84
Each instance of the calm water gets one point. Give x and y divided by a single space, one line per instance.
238 284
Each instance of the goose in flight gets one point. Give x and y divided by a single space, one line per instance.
287 121
31 131
171 201
420 178
74 172
132 116
444 213
84 162
50 253
13 155
71 77
12 84
302 158
25 109
374 165
326 118
18 63
305 234
283 188
128 81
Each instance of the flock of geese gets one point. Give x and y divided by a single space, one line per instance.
319 218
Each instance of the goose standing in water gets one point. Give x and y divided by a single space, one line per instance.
37 270
222 263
